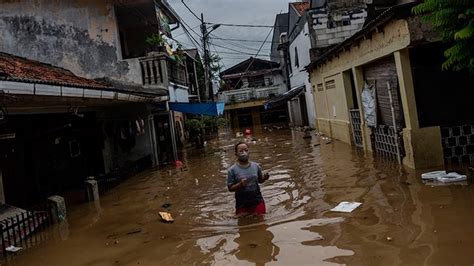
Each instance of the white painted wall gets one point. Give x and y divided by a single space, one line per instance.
178 94
299 76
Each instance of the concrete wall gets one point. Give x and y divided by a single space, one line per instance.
422 145
300 77
323 35
334 101
178 94
79 35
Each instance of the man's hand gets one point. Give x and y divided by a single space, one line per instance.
239 185
243 182
266 176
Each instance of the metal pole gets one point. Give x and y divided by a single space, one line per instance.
173 132
206 57
394 122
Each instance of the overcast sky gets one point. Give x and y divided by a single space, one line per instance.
261 12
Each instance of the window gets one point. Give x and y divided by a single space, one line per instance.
256 81
330 84
135 23
320 87
297 61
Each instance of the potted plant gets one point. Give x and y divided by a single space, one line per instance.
156 43
179 55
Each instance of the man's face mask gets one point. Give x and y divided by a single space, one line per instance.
243 156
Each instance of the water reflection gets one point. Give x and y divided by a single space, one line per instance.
401 221
255 244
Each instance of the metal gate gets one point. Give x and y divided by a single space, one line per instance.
354 115
387 142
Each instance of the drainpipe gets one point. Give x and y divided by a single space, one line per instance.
173 131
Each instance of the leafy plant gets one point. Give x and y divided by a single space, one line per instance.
205 122
454 20
155 40
194 124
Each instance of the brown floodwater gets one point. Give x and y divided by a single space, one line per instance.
401 221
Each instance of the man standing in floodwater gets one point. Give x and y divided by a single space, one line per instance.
243 178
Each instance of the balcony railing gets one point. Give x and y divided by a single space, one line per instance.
250 94
177 72
159 69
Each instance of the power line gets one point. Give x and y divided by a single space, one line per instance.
181 34
239 45
245 25
215 49
243 40
189 9
243 57
190 36
235 50
253 59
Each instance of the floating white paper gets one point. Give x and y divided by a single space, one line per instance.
13 249
346 206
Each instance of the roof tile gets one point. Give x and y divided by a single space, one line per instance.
301 6
25 70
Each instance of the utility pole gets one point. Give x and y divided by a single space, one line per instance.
206 58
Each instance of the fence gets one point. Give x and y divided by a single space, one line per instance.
354 115
387 142
22 229
458 144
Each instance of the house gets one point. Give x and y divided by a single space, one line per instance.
247 87
422 115
301 108
82 94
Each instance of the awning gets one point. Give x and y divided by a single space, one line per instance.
284 98
212 109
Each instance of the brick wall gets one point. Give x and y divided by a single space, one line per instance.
330 27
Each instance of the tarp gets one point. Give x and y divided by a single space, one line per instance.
284 98
212 109
369 103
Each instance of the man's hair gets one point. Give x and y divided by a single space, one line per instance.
237 145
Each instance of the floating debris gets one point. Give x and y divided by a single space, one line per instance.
13 249
346 206
166 216
134 232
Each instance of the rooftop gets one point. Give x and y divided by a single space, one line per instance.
15 68
301 7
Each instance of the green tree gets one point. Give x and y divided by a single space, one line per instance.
454 20
215 63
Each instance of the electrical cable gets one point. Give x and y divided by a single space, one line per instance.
251 62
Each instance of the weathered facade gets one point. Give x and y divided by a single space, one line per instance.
386 55
120 127
93 39
333 21
301 108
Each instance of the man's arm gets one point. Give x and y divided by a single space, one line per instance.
233 184
262 177
235 187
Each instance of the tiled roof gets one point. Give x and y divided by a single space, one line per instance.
301 7
17 68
